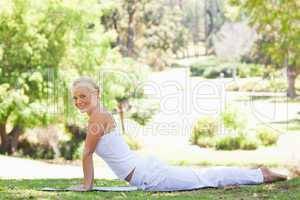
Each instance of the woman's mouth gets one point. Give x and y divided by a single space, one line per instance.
81 107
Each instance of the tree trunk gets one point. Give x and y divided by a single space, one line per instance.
116 28
130 32
3 137
180 3
14 138
121 110
9 142
292 75
205 25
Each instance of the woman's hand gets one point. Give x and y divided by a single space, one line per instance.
79 188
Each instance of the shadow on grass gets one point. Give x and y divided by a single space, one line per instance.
28 189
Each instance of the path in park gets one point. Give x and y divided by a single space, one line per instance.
21 168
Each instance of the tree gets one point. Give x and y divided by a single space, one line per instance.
278 24
164 33
144 27
39 41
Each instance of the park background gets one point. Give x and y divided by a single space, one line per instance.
193 82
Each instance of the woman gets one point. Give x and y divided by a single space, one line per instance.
103 138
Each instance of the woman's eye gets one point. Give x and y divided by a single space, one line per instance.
82 96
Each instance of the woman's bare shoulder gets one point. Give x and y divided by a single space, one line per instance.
98 117
103 118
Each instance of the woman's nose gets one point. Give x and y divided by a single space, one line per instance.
77 101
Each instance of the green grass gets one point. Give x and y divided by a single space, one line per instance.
28 189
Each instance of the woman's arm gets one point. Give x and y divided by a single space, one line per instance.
94 133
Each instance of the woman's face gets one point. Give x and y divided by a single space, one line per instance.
84 99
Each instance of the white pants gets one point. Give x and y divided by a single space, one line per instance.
154 175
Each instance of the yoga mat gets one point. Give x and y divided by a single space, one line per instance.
102 189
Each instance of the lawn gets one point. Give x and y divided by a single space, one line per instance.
28 189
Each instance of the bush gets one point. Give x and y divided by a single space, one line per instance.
233 119
243 70
157 60
41 142
211 72
232 86
199 67
215 72
213 69
70 149
206 142
267 136
197 70
249 143
229 142
256 70
176 65
226 70
78 152
143 110
277 85
250 70
254 86
235 142
205 127
32 150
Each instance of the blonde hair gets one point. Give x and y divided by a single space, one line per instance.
87 81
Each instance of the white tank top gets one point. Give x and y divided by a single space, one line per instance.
113 149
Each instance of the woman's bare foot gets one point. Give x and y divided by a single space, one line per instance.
270 176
